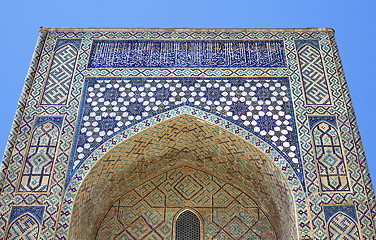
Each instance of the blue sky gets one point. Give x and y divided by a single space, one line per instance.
353 22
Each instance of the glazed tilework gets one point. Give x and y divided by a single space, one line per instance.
41 153
328 151
186 54
36 211
358 143
261 105
25 227
57 86
331 210
25 222
313 73
342 221
185 140
343 227
227 212
305 61
21 107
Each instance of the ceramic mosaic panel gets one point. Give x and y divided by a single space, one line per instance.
313 72
25 227
261 105
179 141
41 154
57 86
185 54
305 62
342 222
25 222
331 167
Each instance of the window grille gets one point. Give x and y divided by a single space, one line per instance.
187 226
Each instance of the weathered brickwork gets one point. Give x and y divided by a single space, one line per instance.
205 134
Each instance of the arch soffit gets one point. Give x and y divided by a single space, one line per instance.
83 219
188 170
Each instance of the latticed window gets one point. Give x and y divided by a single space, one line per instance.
187 226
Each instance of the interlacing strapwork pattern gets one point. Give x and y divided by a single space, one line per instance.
39 161
147 211
313 74
56 89
330 164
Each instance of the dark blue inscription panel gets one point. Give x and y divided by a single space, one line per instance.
176 54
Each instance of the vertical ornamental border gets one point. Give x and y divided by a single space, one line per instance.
331 167
289 40
58 82
39 160
21 107
312 71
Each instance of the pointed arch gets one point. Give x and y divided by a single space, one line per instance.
187 223
24 227
341 226
146 148
187 226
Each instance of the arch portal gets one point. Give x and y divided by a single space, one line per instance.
183 141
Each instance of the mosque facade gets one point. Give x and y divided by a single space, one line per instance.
186 134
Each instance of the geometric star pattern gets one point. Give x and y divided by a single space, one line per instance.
261 105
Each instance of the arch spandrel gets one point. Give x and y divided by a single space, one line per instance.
183 141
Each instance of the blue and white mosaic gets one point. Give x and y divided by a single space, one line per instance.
213 53
331 210
36 211
261 105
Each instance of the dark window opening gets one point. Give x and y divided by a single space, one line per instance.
187 226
